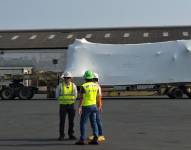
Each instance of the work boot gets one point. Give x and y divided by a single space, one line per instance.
72 137
94 141
101 138
61 138
91 137
80 142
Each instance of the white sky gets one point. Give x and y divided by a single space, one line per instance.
40 14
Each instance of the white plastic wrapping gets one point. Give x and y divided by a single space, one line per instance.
125 64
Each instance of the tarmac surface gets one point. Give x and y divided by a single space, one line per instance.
129 124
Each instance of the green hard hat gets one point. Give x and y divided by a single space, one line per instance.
88 74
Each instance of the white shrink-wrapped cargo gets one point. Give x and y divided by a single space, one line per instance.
128 64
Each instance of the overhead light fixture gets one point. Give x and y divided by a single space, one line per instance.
185 33
88 36
146 34
51 36
125 35
69 36
15 37
165 34
33 37
107 35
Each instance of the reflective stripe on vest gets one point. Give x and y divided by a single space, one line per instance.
90 95
67 96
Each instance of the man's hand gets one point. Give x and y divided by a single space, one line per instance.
100 108
80 110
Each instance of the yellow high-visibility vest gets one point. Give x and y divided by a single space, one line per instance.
90 95
67 94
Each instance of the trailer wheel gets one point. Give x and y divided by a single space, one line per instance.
25 93
189 95
32 94
175 93
170 95
188 92
178 93
7 94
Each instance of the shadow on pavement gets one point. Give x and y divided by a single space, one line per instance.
34 142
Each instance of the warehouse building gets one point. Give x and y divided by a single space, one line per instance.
61 38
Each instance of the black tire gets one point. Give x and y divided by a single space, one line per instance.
189 95
25 93
187 91
7 94
177 93
169 92
31 95
170 96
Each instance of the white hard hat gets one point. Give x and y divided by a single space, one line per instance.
96 75
66 74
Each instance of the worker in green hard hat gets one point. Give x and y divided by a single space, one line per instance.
89 95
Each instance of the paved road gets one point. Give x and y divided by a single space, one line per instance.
129 124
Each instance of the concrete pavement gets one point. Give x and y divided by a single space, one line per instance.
129 124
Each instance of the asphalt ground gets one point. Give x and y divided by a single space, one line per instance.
129 124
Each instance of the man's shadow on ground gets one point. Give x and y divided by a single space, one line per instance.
34 142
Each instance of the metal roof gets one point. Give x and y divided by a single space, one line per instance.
61 38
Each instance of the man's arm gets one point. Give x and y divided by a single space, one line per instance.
57 91
99 98
75 91
82 91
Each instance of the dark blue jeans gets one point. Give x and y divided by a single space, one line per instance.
99 123
88 112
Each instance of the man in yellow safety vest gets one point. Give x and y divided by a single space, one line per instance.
89 96
66 94
101 137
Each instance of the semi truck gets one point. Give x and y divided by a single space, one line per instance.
26 73
16 82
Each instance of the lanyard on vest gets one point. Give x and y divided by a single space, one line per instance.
67 96
63 87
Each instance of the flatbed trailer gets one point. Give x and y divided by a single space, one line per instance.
172 90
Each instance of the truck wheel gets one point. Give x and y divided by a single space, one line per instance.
189 95
175 93
170 95
188 92
25 93
7 94
178 93
170 92
32 94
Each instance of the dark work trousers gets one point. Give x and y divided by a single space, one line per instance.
64 110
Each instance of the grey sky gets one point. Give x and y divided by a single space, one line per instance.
30 14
